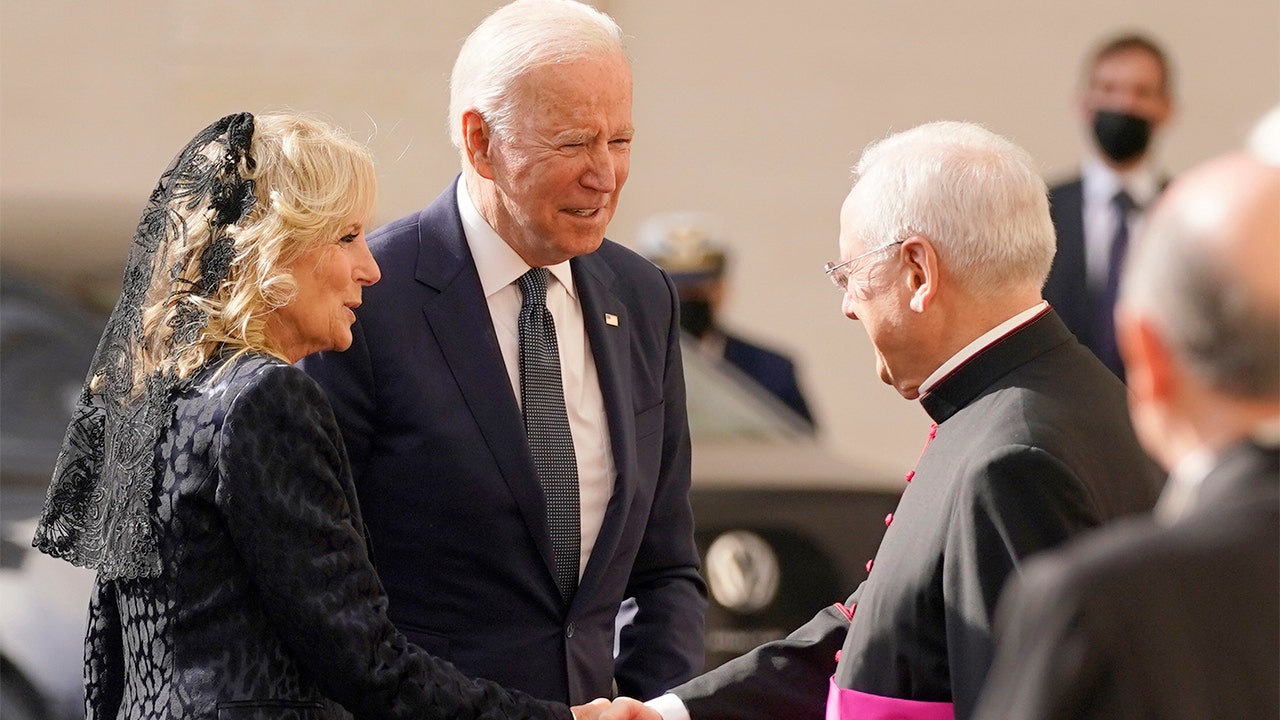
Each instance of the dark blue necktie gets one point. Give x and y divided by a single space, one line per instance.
547 426
1104 310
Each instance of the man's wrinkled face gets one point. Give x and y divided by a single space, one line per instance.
872 296
559 169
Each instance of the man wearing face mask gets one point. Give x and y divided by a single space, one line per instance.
1125 101
681 244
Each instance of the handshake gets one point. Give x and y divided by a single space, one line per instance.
623 708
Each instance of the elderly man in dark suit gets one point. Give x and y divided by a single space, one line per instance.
1125 101
945 240
513 402
1176 615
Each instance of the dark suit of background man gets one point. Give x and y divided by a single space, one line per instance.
1031 444
681 244
1178 615
1125 101
429 397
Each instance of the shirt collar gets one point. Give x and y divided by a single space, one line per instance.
496 262
1101 182
981 343
1183 487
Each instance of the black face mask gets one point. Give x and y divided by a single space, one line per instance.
1121 136
695 317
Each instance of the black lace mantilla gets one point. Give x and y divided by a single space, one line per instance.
98 510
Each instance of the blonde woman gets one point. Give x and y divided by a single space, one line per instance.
204 477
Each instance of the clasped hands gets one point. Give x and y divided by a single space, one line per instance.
623 708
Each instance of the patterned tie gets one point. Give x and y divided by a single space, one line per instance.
547 425
1104 311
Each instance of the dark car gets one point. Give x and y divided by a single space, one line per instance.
784 526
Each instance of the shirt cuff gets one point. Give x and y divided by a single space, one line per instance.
669 707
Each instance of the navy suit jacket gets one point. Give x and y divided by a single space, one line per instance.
1067 287
453 505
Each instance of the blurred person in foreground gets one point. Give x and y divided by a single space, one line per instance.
945 240
681 244
204 477
1177 615
1125 101
513 401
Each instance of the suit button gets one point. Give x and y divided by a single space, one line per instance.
568 632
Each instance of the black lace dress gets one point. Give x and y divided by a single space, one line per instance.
266 604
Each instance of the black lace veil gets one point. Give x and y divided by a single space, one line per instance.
98 510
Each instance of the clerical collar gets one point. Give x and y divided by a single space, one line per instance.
983 341
496 262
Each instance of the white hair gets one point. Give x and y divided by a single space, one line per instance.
513 40
975 195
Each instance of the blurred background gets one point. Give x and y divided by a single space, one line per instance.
749 112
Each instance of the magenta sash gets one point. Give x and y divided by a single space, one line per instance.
845 704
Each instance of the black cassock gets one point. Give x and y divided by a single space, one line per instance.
1032 445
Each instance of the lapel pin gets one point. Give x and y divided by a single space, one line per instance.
611 319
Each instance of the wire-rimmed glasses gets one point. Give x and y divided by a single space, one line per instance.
839 272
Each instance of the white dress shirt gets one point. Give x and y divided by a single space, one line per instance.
500 267
1099 185
1182 489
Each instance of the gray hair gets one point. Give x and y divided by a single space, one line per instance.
514 39
1227 332
975 195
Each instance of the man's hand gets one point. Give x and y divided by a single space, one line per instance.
625 708
590 711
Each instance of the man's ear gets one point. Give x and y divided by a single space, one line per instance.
921 262
1149 368
478 143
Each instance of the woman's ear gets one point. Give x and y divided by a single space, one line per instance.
921 262
478 143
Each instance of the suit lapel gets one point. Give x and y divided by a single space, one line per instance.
610 341
458 317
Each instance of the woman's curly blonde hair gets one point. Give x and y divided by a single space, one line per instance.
311 180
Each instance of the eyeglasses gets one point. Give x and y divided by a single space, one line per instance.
839 272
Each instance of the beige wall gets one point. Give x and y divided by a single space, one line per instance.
752 111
